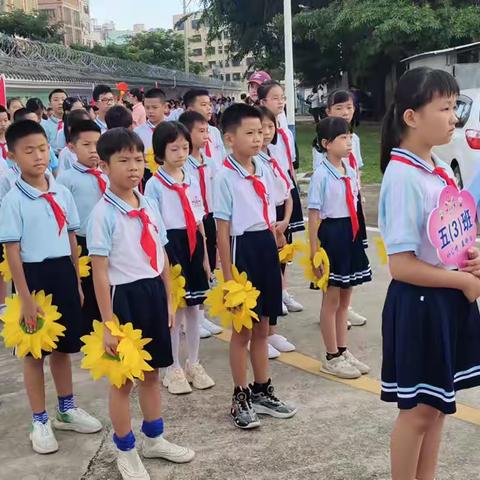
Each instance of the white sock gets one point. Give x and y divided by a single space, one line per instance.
193 318
175 337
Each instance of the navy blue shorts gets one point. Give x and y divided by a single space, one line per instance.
256 254
431 346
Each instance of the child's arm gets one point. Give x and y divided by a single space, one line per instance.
223 245
314 221
168 289
30 309
74 254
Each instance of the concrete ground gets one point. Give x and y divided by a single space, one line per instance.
341 431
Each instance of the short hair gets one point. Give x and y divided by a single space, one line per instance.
3 109
234 115
34 104
71 119
117 139
82 126
100 90
165 133
118 116
137 93
20 114
54 91
189 119
267 113
21 129
329 129
156 93
192 94
69 102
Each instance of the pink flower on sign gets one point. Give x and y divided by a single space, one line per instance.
452 228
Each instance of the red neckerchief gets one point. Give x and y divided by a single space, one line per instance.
284 136
58 211
102 184
146 240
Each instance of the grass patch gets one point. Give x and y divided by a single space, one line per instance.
369 134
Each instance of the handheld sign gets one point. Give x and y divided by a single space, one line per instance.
452 228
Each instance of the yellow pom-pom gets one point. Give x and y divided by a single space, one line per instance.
83 263
5 271
177 284
289 251
130 361
45 336
233 301
150 161
320 258
381 250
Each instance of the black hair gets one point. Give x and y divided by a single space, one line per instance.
265 87
20 114
339 96
69 102
165 133
189 119
71 119
80 126
54 91
137 93
3 109
117 139
415 89
34 104
118 116
266 113
233 116
156 93
243 96
21 129
329 129
100 90
192 94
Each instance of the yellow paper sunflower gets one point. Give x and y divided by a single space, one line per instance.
320 258
381 250
233 301
288 252
45 337
5 271
177 283
130 361
83 263
150 161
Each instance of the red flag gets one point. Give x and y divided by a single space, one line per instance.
3 91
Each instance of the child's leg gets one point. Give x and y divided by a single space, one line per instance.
342 316
259 350
175 337
149 396
427 462
3 291
408 434
61 369
119 407
34 383
239 356
192 332
328 312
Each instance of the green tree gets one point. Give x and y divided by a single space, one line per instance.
33 26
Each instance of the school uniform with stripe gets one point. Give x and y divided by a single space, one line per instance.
284 152
103 126
133 240
335 197
145 132
246 201
430 335
87 186
41 223
181 208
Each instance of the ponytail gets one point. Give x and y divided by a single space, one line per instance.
390 137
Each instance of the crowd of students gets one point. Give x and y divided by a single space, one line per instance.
218 200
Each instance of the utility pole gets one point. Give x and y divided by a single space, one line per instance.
289 80
185 37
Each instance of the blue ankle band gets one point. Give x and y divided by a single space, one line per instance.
153 429
125 443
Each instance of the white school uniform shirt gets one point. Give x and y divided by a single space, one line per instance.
217 148
192 166
101 124
281 190
112 233
51 128
145 132
27 218
279 151
60 140
4 158
85 191
236 201
407 197
66 159
317 158
356 150
327 190
168 201
8 178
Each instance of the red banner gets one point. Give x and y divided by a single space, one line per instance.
3 91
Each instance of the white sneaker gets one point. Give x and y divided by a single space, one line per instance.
339 367
176 382
130 465
160 448
272 352
77 420
291 304
197 376
349 325
42 438
204 333
213 328
284 310
361 367
280 343
355 318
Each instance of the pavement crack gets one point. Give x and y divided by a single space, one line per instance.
92 461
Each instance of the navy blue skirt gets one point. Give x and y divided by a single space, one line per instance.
196 281
349 265
144 304
297 223
362 231
431 346
211 240
256 254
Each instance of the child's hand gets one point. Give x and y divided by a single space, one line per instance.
281 226
317 271
472 265
171 318
110 342
281 240
472 289
30 312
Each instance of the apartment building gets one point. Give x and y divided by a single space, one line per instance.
28 6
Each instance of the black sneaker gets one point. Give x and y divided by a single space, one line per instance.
266 403
242 412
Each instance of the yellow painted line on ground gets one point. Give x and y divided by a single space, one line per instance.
368 384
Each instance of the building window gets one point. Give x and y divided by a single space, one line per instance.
469 56
197 52
50 12
227 77
195 24
220 49
211 64
196 38
236 77
237 63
